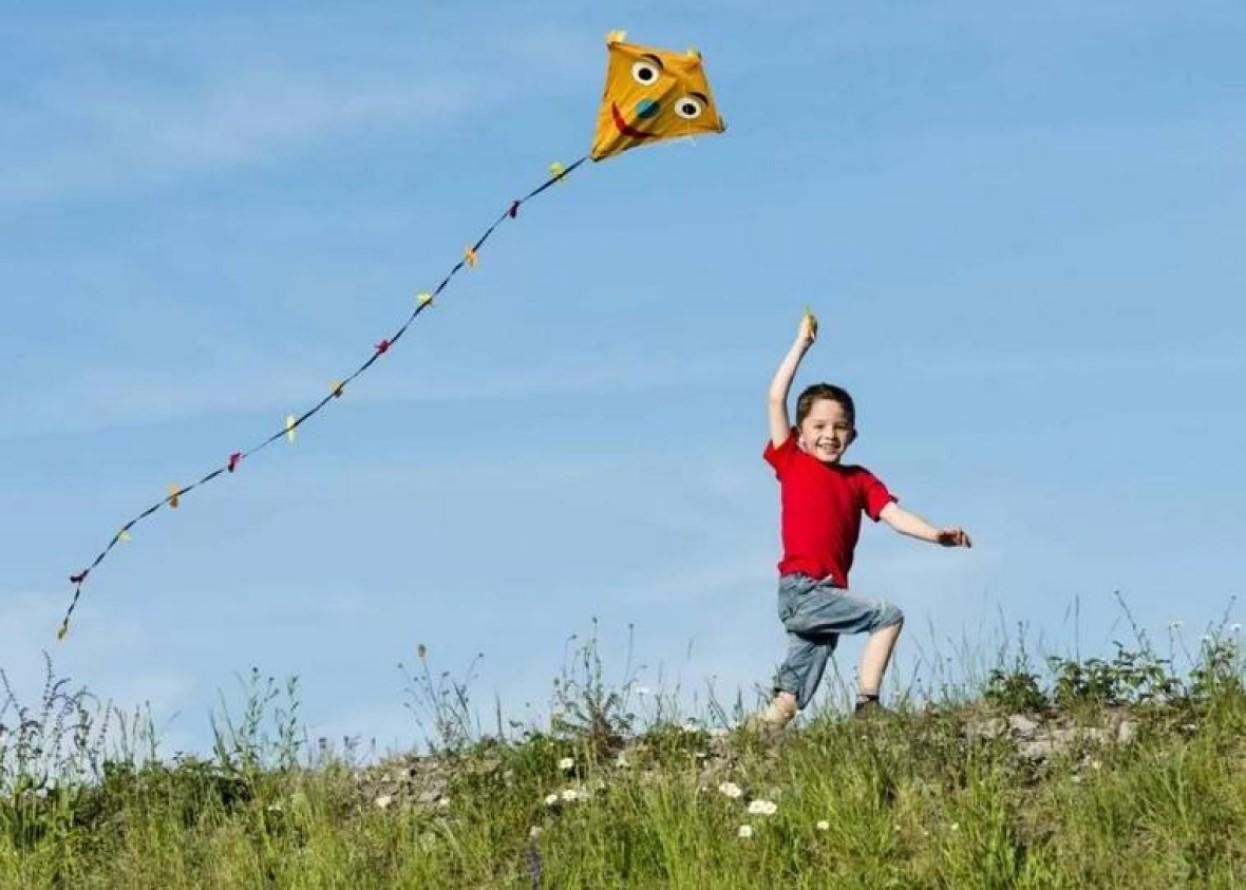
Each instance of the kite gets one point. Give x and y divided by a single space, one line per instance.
651 95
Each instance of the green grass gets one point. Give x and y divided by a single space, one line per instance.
921 798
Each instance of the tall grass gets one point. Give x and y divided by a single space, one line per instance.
623 790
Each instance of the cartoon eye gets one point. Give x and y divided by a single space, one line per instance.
645 73
689 108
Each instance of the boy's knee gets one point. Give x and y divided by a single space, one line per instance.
892 616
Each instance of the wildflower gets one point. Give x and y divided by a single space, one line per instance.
690 726
718 732
534 832
1077 779
823 825
551 800
571 795
955 826
731 789
384 801
1095 764
762 807
744 831
443 803
621 761
567 764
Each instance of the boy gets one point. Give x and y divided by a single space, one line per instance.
822 501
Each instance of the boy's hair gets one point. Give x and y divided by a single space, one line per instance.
830 391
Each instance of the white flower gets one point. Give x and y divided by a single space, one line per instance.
551 800
731 789
745 831
762 807
955 826
718 732
823 825
534 832
384 801
690 726
621 761
443 803
1077 779
567 764
570 795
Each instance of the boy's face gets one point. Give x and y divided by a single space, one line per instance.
826 431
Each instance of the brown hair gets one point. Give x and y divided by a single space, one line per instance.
830 391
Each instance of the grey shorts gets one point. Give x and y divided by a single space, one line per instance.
812 606
814 613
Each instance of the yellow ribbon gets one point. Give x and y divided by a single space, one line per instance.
336 388
423 298
123 535
290 427
469 256
174 491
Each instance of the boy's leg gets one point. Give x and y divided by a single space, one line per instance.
874 659
828 610
802 669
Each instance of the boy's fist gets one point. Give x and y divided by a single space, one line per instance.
808 327
953 537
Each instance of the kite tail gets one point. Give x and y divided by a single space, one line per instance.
425 299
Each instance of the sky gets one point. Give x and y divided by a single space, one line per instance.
1020 228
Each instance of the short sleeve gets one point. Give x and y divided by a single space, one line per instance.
874 495
780 458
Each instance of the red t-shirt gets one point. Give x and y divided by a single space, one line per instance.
821 510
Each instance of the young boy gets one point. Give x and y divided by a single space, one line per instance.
822 502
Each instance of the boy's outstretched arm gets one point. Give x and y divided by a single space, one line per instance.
780 425
911 524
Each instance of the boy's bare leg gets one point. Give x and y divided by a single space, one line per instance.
875 657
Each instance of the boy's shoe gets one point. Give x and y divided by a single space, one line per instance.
869 708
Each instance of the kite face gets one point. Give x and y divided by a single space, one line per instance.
652 95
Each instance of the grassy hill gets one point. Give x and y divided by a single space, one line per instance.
1097 773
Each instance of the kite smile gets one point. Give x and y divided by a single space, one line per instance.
625 128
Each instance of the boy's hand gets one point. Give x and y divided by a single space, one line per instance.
953 537
808 328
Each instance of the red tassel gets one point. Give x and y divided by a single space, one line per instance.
80 577
514 211
382 347
233 461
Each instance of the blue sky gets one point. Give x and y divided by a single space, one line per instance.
1020 228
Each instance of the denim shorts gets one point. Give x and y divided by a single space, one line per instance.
809 606
814 613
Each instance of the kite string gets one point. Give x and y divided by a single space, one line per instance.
558 173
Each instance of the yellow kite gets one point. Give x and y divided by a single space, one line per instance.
651 95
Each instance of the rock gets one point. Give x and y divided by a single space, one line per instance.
991 728
1126 732
1022 725
1037 749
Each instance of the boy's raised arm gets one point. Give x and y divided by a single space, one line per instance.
780 425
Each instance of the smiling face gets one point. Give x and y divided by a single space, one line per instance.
651 95
826 431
